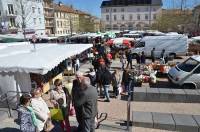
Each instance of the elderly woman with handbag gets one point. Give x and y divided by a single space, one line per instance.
61 99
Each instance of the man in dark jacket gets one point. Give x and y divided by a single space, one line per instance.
153 55
86 104
76 92
129 59
106 79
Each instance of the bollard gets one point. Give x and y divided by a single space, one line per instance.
130 98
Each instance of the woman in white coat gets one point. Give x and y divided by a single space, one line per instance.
41 111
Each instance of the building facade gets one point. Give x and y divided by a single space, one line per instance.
49 17
97 24
130 15
22 16
66 19
196 16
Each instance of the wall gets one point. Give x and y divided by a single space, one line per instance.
38 27
130 10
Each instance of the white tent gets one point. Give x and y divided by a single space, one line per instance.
17 61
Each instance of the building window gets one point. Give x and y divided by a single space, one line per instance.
58 23
138 17
154 16
115 17
33 9
130 17
0 13
138 9
154 9
122 9
39 11
34 21
107 10
40 20
12 22
122 16
147 9
146 17
114 10
10 9
107 17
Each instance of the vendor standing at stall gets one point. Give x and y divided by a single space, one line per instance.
153 55
162 56
143 58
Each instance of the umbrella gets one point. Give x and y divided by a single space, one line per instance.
120 42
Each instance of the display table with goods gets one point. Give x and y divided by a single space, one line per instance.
143 74
162 68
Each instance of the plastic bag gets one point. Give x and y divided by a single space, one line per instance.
56 114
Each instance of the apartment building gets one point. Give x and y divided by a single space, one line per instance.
130 14
66 19
49 17
16 15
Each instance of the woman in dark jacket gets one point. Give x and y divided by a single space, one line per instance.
26 116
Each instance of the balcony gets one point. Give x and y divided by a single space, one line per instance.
48 6
49 15
11 14
49 25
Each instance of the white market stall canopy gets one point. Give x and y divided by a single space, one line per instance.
23 58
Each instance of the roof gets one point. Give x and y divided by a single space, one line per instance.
64 8
109 3
20 57
197 7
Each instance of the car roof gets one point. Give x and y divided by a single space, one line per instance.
196 57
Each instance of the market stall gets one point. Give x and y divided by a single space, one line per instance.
143 74
23 67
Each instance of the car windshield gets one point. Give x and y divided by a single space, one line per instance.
188 65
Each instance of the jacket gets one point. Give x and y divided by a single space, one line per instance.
86 103
41 111
25 120
106 77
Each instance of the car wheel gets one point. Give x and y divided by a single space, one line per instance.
188 86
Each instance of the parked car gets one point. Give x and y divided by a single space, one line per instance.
187 73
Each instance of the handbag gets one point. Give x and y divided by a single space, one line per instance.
56 114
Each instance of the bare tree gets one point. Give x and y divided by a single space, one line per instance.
25 15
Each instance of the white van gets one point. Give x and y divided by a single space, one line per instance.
174 45
187 73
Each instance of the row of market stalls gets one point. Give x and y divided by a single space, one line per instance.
24 66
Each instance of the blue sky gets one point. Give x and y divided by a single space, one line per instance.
93 6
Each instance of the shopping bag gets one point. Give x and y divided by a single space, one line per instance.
56 114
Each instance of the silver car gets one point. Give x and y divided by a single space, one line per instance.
187 73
